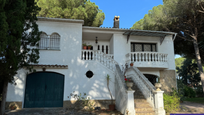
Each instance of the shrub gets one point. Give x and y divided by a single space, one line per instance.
189 92
180 87
171 102
199 91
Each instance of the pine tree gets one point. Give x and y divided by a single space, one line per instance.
72 9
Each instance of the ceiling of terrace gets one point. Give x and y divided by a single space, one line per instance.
92 36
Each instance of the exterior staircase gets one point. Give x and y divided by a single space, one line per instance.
142 107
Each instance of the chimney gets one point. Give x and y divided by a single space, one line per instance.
116 22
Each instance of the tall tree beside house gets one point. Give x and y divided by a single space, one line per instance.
18 30
188 72
184 17
72 9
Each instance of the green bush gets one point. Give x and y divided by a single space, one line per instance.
199 90
189 92
171 102
180 87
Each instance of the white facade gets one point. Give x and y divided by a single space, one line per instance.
72 36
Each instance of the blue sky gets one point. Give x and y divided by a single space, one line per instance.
130 11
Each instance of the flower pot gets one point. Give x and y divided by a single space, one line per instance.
131 64
84 47
111 107
129 85
89 47
12 107
158 86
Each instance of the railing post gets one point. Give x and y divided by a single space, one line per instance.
93 57
159 103
130 103
83 55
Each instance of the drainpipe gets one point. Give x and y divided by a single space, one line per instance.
174 36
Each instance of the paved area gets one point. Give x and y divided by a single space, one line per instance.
58 111
186 107
189 107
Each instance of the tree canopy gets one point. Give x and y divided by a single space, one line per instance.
72 9
18 31
184 17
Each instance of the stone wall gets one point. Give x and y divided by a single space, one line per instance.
17 104
69 104
168 80
96 103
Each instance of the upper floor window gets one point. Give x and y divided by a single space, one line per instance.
49 42
143 47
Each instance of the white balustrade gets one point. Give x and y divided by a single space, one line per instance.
105 59
148 57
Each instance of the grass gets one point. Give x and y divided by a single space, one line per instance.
195 100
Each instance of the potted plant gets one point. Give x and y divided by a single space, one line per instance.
89 47
112 105
84 46
12 106
129 83
131 64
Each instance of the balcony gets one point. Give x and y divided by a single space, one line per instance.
149 59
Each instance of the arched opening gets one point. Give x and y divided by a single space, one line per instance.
44 89
151 78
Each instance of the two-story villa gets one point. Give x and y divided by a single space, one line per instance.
66 66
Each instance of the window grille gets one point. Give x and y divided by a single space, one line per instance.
49 42
55 41
43 41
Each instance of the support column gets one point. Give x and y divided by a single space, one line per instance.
130 103
159 103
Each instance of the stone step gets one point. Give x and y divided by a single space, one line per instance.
139 100
142 104
145 113
139 97
143 109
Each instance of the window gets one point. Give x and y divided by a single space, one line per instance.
143 47
49 42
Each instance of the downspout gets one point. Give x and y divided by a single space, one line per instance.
174 36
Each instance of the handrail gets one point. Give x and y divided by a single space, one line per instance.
145 80
121 98
143 84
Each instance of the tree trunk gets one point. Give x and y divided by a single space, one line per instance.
198 58
3 103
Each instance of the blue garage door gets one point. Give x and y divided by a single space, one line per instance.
44 89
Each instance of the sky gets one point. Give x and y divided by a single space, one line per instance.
130 11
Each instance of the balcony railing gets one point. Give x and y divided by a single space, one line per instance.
149 59
105 59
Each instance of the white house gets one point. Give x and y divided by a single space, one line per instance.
64 66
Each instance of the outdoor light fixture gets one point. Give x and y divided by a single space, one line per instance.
96 40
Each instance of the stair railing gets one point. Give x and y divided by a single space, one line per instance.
121 98
144 85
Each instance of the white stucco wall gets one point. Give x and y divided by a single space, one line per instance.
69 54
111 46
168 47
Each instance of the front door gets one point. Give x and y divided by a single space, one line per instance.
44 89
